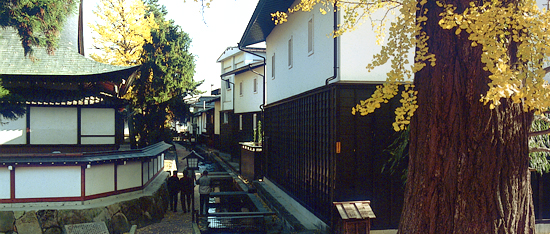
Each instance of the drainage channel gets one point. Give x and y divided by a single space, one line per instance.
234 207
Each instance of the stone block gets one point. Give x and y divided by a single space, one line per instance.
53 230
119 224
28 223
47 218
7 220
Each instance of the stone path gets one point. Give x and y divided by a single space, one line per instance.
174 222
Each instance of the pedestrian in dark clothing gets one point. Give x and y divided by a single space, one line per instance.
187 188
173 190
204 191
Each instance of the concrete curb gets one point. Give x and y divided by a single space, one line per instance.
196 229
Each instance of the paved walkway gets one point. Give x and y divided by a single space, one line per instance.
174 222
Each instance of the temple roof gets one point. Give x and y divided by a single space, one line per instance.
65 61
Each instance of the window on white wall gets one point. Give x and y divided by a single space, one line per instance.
225 117
240 122
255 85
310 36
290 52
241 88
273 66
254 121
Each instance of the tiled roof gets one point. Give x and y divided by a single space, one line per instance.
51 97
85 157
261 24
65 61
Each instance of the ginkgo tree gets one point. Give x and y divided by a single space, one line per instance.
122 30
469 97
136 32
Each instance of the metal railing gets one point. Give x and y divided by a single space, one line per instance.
237 224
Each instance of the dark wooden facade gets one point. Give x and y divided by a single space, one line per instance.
231 134
319 153
541 195
229 141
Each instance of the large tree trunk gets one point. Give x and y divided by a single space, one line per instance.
468 167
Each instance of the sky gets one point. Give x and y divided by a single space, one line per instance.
221 26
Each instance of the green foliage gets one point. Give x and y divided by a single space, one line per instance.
258 133
166 76
539 159
399 151
11 105
38 22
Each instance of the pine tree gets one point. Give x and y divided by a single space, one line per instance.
166 76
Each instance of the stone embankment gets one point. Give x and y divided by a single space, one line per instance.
118 217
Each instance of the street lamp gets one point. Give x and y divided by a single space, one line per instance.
192 160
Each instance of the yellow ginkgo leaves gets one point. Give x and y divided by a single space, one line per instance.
123 30
515 46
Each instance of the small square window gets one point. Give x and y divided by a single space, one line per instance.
310 36
273 66
255 85
290 52
240 122
241 88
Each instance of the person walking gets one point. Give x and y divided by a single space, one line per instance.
187 189
173 190
204 191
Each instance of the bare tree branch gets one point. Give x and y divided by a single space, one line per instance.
539 149
538 133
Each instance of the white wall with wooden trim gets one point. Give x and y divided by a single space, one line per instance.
59 125
100 179
126 175
53 125
5 183
47 181
98 122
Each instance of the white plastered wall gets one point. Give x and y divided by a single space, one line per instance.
53 125
13 132
145 172
45 182
151 169
5 183
249 101
100 179
126 175
98 121
309 70
357 49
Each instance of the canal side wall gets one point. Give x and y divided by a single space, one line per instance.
118 215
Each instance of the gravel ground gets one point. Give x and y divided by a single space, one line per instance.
173 222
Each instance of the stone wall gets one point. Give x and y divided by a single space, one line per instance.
118 217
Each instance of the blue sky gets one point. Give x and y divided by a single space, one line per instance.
221 26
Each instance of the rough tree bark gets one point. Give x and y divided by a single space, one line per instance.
468 166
